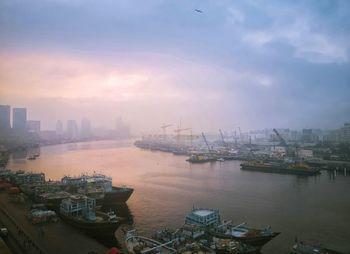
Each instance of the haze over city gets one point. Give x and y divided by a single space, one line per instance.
237 63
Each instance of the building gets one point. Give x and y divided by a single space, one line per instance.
72 129
344 133
33 126
5 117
203 217
59 128
122 130
19 119
304 153
85 130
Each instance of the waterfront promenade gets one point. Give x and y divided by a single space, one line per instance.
49 238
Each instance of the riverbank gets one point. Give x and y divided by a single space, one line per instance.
53 238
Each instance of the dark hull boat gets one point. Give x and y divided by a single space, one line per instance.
79 211
98 228
117 195
301 248
280 168
256 241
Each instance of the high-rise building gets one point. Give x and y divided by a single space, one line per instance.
59 128
19 119
72 129
5 116
33 126
122 130
85 131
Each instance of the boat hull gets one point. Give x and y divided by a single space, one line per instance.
94 229
257 241
279 170
117 195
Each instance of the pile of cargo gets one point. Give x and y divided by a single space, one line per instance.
37 216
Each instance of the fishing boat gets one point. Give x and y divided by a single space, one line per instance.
210 220
93 185
137 244
244 234
79 211
301 248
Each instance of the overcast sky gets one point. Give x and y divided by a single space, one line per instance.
252 64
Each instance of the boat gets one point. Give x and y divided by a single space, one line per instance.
301 248
137 244
79 211
194 236
93 185
280 167
197 158
117 195
210 220
250 236
32 157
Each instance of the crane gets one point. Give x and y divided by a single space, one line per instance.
164 126
179 130
222 138
206 142
283 142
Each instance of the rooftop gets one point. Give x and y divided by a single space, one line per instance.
202 212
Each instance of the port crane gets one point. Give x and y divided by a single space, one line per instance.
206 142
222 138
282 141
179 130
164 126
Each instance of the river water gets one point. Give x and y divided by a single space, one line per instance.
314 209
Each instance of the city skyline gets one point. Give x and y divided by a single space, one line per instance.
235 64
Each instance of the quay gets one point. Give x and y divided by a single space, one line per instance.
48 238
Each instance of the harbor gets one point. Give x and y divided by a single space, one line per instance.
166 186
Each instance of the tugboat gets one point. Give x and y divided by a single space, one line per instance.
280 167
211 221
301 248
78 211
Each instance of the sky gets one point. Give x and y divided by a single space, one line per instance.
253 64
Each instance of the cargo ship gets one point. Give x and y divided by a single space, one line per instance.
79 211
280 167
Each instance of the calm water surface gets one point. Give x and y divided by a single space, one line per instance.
314 209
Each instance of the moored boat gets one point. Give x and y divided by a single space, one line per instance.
210 220
301 248
244 234
280 167
78 211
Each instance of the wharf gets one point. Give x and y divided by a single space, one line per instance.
53 237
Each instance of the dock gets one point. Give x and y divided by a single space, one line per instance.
49 238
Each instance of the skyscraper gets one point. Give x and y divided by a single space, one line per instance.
5 112
59 128
33 126
72 129
19 119
85 131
